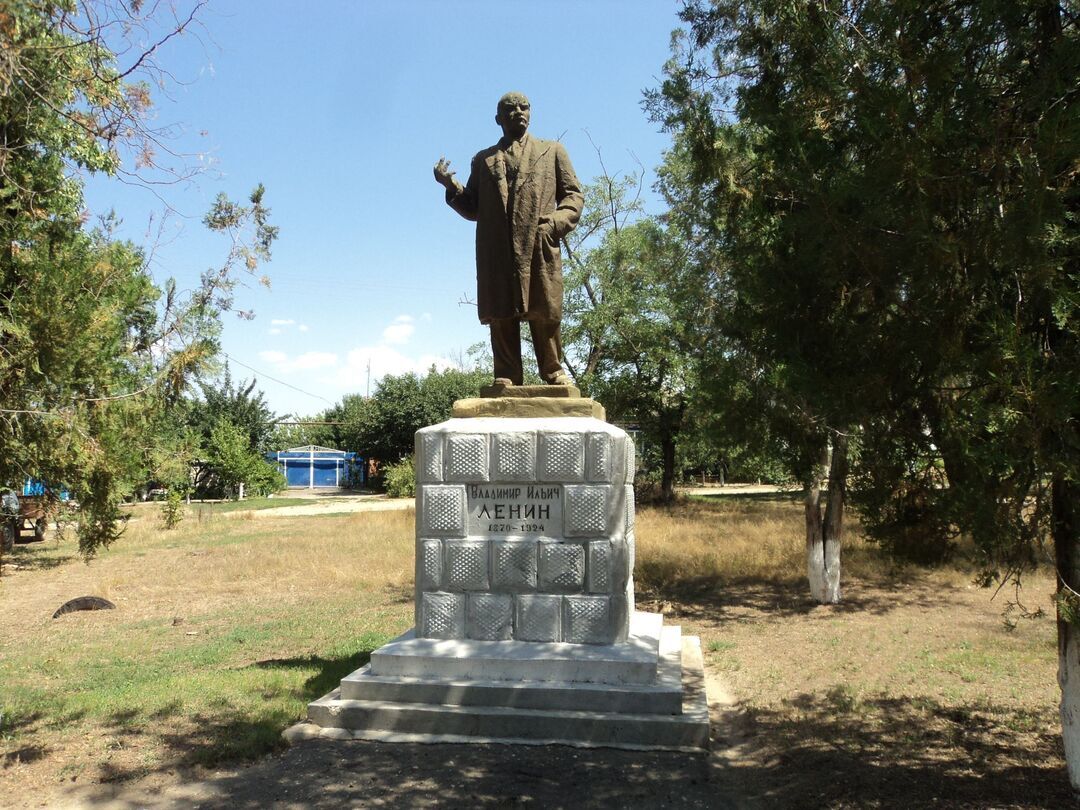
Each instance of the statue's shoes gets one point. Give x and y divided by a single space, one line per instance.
504 381
560 378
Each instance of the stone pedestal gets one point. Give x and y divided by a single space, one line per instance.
525 623
524 530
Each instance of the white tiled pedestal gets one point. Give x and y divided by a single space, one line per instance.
524 530
525 622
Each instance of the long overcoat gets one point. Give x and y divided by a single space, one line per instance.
519 271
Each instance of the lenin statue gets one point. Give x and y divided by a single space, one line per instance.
524 197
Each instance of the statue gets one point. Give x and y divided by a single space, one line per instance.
524 197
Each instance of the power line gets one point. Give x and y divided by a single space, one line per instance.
275 379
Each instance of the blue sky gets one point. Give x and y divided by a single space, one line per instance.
341 109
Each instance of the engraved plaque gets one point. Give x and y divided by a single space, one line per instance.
515 509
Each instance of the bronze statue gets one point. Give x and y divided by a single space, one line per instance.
524 197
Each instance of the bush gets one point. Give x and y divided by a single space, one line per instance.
400 479
266 479
172 510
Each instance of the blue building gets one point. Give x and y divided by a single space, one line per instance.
315 467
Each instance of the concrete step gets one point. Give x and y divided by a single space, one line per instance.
631 662
341 717
664 696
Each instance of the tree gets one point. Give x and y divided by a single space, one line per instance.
235 463
91 350
630 342
897 183
383 426
240 404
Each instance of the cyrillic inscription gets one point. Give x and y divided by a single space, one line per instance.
515 509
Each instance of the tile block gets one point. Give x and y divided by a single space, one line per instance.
630 516
562 457
429 565
562 567
443 510
631 459
537 617
466 565
587 620
514 565
599 460
514 457
429 457
599 566
442 615
489 616
467 457
586 510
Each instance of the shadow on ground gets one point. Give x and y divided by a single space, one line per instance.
41 556
832 750
820 750
715 602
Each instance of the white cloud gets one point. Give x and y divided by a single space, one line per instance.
304 362
273 357
312 360
352 376
273 331
399 331
282 321
303 327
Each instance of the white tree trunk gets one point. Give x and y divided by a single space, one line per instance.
1069 681
823 536
815 541
1066 531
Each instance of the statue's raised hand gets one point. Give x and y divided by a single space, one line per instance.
443 175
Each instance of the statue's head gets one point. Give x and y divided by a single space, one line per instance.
513 114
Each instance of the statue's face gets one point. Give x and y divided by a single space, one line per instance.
513 114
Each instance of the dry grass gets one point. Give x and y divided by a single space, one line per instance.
911 692
224 629
699 546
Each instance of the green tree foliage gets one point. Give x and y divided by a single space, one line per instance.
630 340
93 352
893 189
240 404
383 426
896 185
233 461
400 479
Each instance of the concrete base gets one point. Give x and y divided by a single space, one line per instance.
532 407
668 712
632 662
531 391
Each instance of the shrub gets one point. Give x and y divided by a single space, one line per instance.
400 479
172 510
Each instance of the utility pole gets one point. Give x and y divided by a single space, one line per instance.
367 392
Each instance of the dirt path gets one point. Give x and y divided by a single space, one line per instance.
335 506
343 504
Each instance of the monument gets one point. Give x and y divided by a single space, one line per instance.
525 624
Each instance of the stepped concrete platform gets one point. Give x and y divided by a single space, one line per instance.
661 696
634 661
670 711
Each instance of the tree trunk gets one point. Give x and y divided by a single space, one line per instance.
667 481
815 546
1066 531
823 537
833 529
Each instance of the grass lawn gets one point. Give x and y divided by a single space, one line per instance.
911 692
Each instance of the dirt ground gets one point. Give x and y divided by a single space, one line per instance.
332 774
910 693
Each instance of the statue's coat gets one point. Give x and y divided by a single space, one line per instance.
518 272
